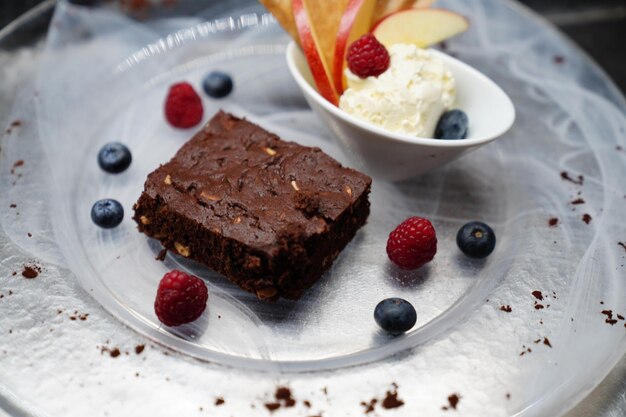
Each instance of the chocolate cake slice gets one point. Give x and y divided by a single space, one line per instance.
270 215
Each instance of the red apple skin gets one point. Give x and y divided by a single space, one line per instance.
345 27
377 24
309 47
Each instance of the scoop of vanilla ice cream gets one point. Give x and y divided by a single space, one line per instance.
409 97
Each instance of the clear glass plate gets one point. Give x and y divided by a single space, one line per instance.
103 77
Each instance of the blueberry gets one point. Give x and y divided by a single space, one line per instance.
476 240
452 125
395 315
114 158
218 84
107 213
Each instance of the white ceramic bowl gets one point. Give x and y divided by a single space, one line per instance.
395 156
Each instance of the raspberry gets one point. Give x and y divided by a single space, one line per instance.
367 57
183 107
180 299
412 244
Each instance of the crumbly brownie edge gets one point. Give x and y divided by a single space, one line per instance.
299 263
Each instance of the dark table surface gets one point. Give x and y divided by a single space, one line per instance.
598 26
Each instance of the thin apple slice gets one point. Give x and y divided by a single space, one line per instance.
283 12
309 42
422 4
422 27
325 17
355 22
386 7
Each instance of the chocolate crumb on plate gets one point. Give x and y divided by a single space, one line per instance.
537 294
622 244
272 406
507 308
283 398
219 401
284 394
546 342
139 349
453 401
17 164
553 222
578 181
587 218
578 201
369 406
30 272
391 400
161 255
609 317
525 350
14 124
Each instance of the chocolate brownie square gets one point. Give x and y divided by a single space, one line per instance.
270 215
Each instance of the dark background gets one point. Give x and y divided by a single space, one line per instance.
599 26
